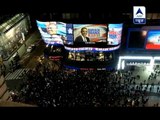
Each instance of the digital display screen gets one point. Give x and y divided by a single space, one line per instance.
90 33
114 34
75 34
136 39
52 32
153 40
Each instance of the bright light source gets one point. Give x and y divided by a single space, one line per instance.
119 64
156 58
47 45
123 64
149 68
144 33
152 63
135 58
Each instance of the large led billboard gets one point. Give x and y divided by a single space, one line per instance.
153 40
52 32
114 34
88 33
146 37
136 38
83 36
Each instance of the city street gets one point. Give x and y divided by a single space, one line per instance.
29 60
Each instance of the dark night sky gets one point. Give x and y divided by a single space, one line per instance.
77 5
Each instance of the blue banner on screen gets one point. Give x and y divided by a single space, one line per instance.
69 35
114 34
90 33
153 40
52 32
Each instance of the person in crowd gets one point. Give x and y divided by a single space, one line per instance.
63 88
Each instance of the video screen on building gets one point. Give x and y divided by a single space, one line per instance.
114 34
52 32
136 39
80 34
153 40
89 33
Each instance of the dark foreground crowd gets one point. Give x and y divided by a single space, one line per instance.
70 88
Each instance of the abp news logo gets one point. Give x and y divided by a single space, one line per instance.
139 15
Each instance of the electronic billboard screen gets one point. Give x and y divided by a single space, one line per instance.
114 34
52 32
153 40
80 35
90 33
136 39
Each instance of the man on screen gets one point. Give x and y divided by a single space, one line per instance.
83 37
51 28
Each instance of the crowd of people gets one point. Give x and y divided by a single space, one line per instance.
46 87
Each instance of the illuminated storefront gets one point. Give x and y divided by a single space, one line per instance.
13 33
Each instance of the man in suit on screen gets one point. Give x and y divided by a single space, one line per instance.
83 37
